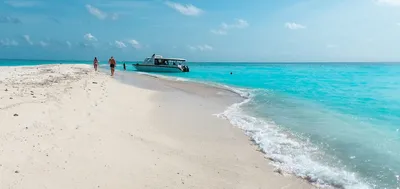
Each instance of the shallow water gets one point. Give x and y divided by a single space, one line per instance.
332 124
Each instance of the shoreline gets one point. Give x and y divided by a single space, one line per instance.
276 159
88 130
232 97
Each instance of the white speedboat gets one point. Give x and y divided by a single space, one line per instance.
157 63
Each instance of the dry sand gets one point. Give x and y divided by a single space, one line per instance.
65 126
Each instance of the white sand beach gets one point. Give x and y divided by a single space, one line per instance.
66 126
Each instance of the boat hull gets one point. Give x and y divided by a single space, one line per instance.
151 68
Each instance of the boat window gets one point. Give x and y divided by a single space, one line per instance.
168 62
175 62
162 62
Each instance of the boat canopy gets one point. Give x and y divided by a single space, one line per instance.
159 60
173 59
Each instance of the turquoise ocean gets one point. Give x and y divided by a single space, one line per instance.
333 124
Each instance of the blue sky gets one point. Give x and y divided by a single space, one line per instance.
202 30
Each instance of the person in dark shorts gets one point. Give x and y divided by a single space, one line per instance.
124 66
112 63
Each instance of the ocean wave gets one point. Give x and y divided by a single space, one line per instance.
288 154
244 93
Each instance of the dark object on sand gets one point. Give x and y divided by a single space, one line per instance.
6 90
15 115
94 82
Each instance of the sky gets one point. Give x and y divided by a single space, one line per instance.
202 30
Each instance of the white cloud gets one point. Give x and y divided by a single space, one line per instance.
119 44
192 48
8 42
101 14
90 37
201 48
205 48
43 44
114 16
238 24
219 32
388 2
294 26
96 12
20 4
189 9
135 44
28 39
68 44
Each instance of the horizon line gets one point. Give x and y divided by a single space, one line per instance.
323 61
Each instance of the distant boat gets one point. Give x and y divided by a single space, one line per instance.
157 63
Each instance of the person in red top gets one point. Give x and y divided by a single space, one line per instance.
95 63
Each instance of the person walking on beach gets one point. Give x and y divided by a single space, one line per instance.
95 63
112 63
124 66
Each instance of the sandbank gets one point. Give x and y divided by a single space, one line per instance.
66 126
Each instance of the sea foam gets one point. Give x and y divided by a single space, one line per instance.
287 153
